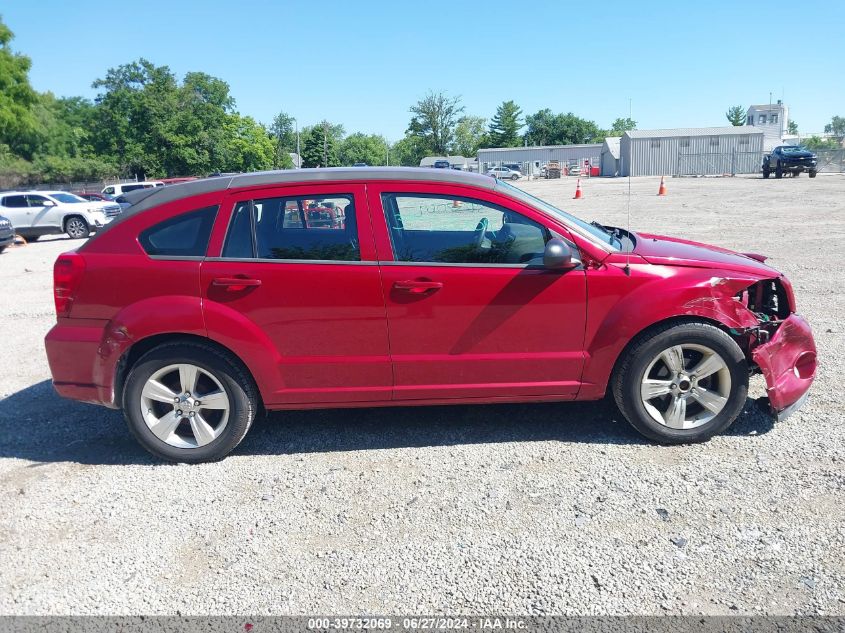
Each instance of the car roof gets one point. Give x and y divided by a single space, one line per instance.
143 199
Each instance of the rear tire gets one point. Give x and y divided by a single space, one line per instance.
76 227
221 378
726 387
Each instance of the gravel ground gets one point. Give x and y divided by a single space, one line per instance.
523 509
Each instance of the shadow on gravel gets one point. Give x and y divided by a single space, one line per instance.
38 425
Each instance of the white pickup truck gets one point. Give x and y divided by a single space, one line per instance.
37 213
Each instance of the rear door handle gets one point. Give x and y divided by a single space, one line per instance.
233 284
417 287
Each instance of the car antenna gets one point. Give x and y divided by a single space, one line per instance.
627 268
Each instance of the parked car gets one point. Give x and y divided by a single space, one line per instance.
505 173
790 159
116 190
440 287
37 213
123 202
7 233
91 196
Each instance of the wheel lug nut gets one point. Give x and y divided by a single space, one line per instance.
176 399
179 412
191 414
673 386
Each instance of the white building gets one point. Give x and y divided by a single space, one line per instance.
772 119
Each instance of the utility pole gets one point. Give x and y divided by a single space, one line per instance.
298 153
325 143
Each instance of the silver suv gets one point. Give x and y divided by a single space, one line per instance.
37 213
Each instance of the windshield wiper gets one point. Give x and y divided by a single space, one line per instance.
614 233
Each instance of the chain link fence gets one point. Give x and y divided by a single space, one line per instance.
831 161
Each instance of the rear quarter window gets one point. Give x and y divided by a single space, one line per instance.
185 235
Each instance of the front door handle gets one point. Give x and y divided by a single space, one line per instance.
417 287
234 284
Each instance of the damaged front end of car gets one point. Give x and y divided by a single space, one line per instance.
778 343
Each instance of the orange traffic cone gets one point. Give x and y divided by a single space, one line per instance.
577 190
662 190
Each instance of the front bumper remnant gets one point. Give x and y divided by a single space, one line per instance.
788 363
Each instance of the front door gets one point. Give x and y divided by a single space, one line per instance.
472 313
297 267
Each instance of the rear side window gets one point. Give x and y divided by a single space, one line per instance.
294 228
185 235
14 202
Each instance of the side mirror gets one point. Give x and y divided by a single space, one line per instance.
558 255
49 203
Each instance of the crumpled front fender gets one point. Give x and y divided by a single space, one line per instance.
788 362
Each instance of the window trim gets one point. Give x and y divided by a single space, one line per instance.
350 195
158 257
463 198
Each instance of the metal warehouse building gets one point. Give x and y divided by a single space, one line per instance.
691 151
533 158
610 156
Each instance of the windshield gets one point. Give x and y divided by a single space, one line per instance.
594 230
793 149
67 198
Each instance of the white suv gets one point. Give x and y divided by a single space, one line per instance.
37 213
117 190
504 173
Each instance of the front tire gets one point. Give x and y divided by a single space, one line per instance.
189 402
76 227
681 383
812 174
766 172
778 171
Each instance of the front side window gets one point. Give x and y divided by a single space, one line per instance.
37 201
185 235
294 228
109 191
431 228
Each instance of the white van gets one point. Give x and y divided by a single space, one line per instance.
118 190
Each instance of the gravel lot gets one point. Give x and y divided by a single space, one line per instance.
505 509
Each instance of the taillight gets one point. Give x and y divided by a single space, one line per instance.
67 273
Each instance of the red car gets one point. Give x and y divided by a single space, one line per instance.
439 287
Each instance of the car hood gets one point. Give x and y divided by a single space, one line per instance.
801 154
672 251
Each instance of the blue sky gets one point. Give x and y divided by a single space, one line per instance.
363 63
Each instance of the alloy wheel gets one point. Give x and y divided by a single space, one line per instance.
685 386
185 406
77 228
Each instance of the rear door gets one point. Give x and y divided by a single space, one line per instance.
296 266
16 208
472 312
45 212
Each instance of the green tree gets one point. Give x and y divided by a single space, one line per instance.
736 115
408 151
363 148
816 142
18 125
283 133
320 145
505 126
792 127
620 126
248 146
470 135
836 126
547 128
434 120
